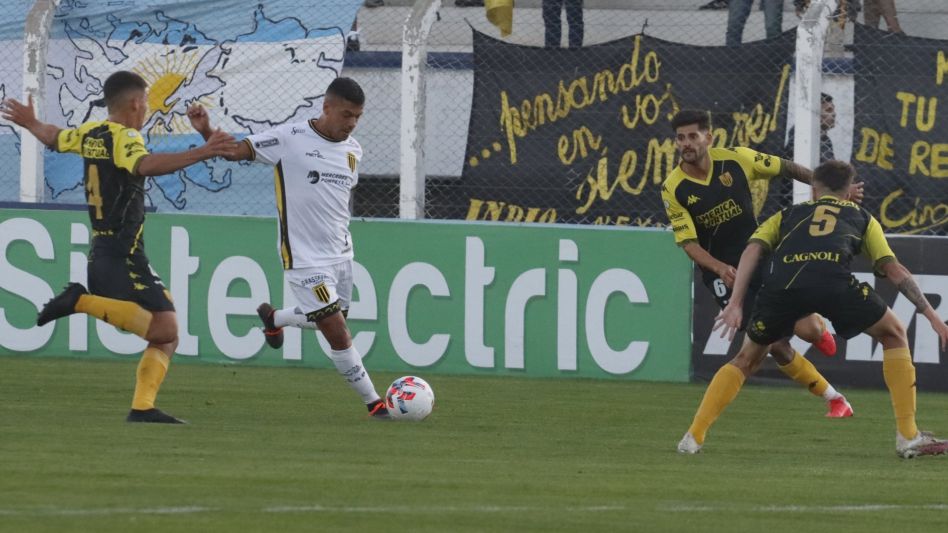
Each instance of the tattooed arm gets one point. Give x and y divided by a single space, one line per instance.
902 278
796 172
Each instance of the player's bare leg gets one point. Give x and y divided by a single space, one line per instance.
812 328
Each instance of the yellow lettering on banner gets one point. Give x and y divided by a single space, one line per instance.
599 187
920 218
648 107
875 148
929 159
517 122
922 122
941 68
582 138
752 128
495 211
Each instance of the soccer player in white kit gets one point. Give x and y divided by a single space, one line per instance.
316 167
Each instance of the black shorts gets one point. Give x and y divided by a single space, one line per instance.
722 293
852 309
128 278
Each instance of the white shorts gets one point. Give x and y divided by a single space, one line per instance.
318 288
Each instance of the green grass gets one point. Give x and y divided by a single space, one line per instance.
291 450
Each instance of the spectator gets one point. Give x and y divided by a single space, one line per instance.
827 122
715 4
469 3
847 9
885 8
552 13
739 10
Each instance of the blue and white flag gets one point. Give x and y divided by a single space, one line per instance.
252 64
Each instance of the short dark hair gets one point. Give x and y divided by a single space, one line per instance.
826 98
686 117
837 176
119 83
347 89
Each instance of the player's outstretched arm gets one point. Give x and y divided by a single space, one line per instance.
25 116
905 282
218 144
804 175
201 123
732 314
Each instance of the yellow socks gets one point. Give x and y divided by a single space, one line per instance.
721 391
899 373
121 314
803 372
151 372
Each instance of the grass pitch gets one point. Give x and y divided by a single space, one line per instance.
291 450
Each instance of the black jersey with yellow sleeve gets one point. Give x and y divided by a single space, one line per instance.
813 243
114 192
717 212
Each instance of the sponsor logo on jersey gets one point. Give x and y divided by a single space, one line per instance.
93 148
322 293
767 159
316 154
266 142
726 179
692 199
719 214
811 256
313 176
318 278
351 158
294 130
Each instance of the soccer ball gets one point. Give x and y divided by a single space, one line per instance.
409 398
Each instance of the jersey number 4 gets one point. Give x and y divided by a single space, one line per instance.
824 220
93 192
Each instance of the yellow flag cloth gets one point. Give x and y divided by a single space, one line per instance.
500 14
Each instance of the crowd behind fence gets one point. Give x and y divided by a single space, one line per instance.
877 109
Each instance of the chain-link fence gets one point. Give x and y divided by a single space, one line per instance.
516 129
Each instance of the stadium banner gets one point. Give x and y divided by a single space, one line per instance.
449 297
900 138
584 135
858 362
222 54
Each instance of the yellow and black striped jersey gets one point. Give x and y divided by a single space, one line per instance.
813 243
718 211
114 192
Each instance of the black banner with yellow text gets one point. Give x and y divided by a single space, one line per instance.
583 136
900 137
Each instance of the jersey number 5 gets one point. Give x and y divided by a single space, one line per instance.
94 193
824 220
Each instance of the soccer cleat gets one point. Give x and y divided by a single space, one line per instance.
63 304
273 334
688 444
826 344
923 444
153 415
378 411
839 408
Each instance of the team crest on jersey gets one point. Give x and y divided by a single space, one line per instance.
321 292
351 158
726 179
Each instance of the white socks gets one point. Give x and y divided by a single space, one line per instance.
830 393
349 364
293 317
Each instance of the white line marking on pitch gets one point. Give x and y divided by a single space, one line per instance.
105 511
869 507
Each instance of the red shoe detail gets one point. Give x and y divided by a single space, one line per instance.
839 408
826 344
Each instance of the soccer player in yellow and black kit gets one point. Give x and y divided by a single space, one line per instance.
811 246
708 201
123 289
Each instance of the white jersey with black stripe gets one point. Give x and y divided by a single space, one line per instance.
313 178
